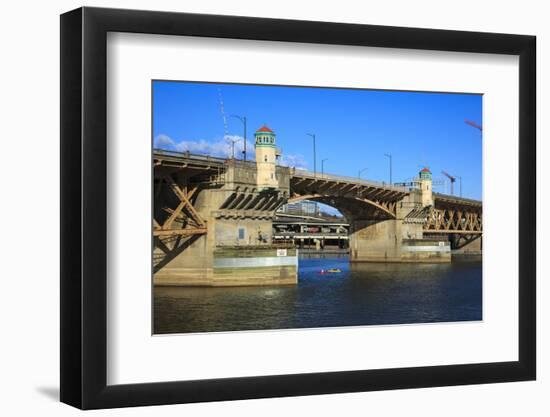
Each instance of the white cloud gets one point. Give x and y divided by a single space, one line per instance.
239 147
164 142
295 161
222 148
202 146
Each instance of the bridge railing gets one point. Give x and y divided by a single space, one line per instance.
201 158
456 198
344 178
295 171
189 155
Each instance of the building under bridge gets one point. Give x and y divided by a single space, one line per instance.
312 232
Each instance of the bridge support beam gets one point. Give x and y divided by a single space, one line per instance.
466 244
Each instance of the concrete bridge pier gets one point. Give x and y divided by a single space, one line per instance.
236 250
399 239
375 240
189 260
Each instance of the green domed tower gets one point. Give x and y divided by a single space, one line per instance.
425 176
266 158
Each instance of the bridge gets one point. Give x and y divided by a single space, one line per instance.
213 219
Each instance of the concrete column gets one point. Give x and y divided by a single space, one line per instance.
375 241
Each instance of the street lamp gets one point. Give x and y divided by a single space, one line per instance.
388 155
360 171
323 166
233 141
314 155
243 120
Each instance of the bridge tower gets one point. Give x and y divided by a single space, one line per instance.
266 159
425 177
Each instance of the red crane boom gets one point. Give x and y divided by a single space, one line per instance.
473 124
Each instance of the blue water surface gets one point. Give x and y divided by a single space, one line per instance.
361 294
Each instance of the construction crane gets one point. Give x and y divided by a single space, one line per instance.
452 179
473 124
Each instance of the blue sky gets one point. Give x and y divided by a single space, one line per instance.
354 128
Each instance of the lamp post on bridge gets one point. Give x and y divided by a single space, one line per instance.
323 166
314 155
233 141
359 173
389 156
243 120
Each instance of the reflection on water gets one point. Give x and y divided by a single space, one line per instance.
361 294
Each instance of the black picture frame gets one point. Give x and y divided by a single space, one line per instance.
84 207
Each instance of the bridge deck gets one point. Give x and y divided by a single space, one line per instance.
453 199
185 159
174 159
298 173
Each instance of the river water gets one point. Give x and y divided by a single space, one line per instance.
361 294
